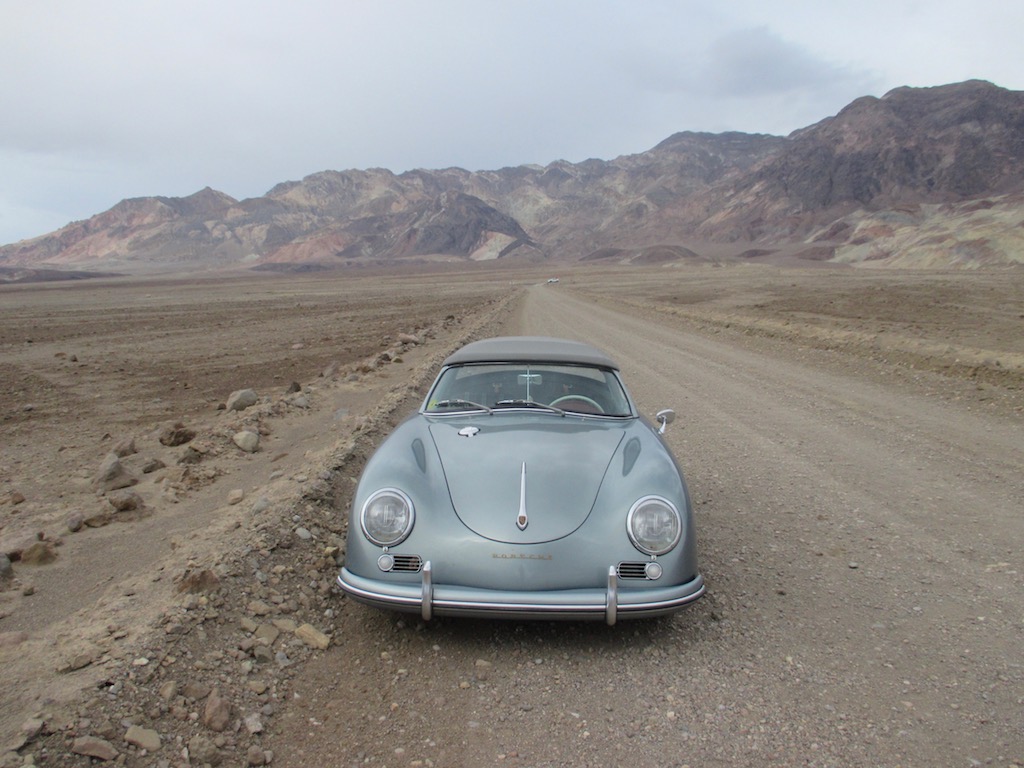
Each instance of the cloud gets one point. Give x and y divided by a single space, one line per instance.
730 78
756 62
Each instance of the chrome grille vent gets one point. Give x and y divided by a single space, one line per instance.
408 563
632 570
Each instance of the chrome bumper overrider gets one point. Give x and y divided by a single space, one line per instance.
431 600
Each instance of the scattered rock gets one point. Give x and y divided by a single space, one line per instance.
285 625
105 729
267 634
126 501
241 399
293 388
98 520
247 441
175 435
408 338
255 756
93 746
152 465
17 498
75 521
253 723
217 712
76 662
190 456
31 729
124 447
6 569
258 608
313 637
194 691
112 475
203 751
168 690
236 496
143 738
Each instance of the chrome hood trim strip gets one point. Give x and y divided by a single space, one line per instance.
522 520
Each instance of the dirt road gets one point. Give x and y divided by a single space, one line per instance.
861 541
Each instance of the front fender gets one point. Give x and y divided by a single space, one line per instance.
408 461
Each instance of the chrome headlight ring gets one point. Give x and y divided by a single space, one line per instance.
654 525
387 517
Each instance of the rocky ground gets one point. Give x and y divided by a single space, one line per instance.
189 617
160 437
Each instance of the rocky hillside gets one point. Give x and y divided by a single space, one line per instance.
920 177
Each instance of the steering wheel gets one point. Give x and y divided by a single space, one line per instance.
578 398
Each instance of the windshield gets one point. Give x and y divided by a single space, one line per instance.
570 388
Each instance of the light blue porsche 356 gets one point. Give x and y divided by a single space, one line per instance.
526 486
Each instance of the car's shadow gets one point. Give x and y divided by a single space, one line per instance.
687 627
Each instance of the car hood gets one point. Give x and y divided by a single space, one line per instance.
548 468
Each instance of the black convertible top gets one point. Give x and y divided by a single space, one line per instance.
531 349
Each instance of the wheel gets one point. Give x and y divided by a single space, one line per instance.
579 399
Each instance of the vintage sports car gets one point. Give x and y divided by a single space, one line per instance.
526 486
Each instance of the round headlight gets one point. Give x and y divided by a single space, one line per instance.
654 525
387 517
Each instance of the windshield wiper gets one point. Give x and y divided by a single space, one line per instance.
528 404
459 403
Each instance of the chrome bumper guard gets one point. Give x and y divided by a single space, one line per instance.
423 598
611 600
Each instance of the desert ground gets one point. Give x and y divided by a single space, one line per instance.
852 440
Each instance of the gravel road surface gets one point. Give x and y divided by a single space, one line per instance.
861 542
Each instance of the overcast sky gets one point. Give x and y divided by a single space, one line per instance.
106 99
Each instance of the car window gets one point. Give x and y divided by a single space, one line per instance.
572 388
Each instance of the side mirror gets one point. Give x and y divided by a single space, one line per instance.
665 418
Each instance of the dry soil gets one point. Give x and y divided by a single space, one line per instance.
852 439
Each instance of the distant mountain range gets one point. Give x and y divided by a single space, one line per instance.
922 177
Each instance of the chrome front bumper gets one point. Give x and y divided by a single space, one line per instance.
610 603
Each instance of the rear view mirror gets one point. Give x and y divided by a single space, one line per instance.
665 418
